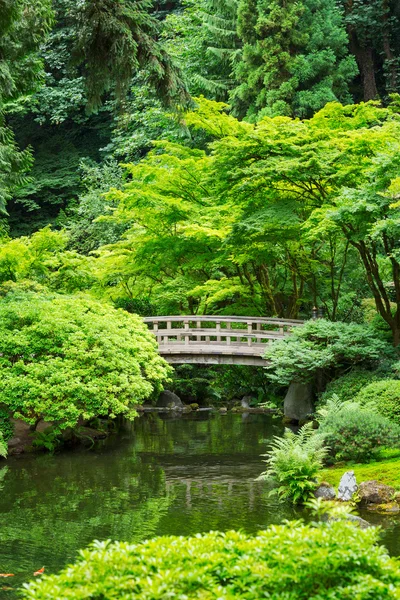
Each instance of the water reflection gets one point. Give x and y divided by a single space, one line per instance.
164 476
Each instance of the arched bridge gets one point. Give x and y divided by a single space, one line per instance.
216 339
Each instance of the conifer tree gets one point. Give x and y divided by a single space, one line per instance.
295 57
23 24
204 41
116 38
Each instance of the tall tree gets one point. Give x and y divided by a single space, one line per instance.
204 41
116 38
23 24
373 28
295 57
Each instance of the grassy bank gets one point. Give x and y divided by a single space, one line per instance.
385 470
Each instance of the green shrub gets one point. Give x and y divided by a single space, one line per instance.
293 462
355 433
6 427
384 396
65 359
294 561
348 386
320 347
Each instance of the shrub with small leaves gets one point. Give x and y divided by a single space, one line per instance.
334 560
382 396
323 347
66 359
348 386
355 433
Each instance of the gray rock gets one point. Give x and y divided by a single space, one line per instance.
298 403
325 491
347 486
373 492
13 442
168 399
362 523
245 401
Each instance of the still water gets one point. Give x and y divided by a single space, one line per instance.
165 476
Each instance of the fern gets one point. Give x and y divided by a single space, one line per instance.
333 406
293 462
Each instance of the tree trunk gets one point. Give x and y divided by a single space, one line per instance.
365 60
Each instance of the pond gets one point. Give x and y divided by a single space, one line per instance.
163 476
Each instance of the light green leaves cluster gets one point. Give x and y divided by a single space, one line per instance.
69 358
333 561
269 218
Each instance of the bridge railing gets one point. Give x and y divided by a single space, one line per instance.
218 330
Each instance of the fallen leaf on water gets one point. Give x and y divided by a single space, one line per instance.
39 572
7 575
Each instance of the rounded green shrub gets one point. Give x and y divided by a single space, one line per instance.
384 396
68 359
348 386
296 561
356 433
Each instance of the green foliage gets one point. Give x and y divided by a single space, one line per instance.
249 228
23 25
337 561
204 42
293 463
357 433
194 383
47 440
86 233
384 396
66 358
114 40
349 385
6 427
322 346
295 58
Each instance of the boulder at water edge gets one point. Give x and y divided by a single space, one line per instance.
168 399
347 486
373 492
298 404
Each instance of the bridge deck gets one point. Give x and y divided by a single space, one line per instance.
217 340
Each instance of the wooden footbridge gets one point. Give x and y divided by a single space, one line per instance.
216 339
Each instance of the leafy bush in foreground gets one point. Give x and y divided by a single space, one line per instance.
294 461
355 433
384 396
331 561
66 359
